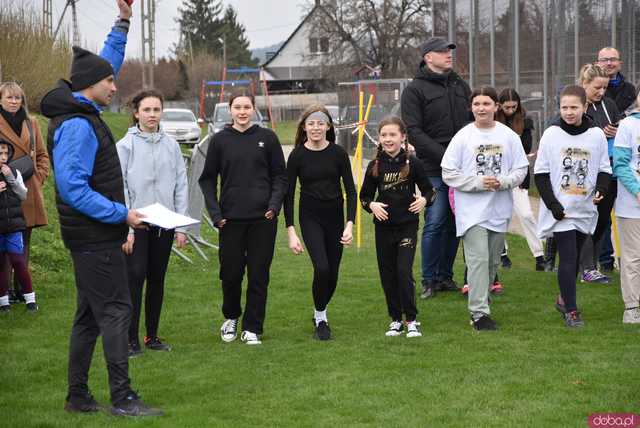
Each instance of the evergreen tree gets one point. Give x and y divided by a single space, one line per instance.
238 53
201 25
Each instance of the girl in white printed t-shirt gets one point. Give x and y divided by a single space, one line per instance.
572 174
626 166
483 162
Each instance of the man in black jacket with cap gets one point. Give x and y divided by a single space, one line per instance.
94 219
435 105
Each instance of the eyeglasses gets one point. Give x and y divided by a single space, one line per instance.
612 59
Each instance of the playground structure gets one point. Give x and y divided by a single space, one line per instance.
209 96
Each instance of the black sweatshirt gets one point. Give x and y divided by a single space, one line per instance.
252 171
393 190
320 172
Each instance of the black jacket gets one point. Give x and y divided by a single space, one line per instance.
393 190
624 94
80 232
11 215
253 179
434 107
596 112
527 144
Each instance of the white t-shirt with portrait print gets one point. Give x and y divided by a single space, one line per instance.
573 163
484 152
628 136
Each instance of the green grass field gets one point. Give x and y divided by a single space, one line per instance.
533 372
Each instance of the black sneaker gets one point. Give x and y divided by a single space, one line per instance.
428 290
134 349
573 319
323 332
32 307
540 265
448 285
155 344
132 405
5 308
484 323
15 296
82 404
506 262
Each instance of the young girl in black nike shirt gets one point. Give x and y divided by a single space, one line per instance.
393 175
253 182
321 166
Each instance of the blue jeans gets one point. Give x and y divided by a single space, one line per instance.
439 241
606 248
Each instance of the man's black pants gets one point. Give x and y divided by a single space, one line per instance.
250 244
103 308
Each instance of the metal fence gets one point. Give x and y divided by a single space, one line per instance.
386 102
536 46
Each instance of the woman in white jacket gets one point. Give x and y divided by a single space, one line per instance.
154 172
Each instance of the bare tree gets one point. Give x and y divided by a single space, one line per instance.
382 33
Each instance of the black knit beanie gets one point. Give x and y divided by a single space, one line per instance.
87 69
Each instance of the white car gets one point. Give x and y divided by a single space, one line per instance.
181 124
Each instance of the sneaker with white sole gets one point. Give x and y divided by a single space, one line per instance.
229 330
631 316
250 338
395 329
413 329
594 277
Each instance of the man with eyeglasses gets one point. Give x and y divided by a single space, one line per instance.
435 105
620 90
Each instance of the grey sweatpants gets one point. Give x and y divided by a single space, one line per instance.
482 249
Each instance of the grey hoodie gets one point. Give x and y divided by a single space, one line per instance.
153 171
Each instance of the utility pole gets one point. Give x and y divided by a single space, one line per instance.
47 16
148 14
74 17
76 31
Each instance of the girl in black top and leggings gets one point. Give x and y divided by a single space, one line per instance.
393 175
250 163
321 165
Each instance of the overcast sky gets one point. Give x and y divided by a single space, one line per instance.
266 21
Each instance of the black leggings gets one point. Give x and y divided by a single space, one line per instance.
149 260
395 250
322 239
569 245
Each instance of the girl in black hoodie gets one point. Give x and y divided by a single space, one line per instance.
253 182
394 174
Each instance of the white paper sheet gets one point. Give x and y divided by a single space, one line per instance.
159 215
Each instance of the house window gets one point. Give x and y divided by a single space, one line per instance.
313 44
324 45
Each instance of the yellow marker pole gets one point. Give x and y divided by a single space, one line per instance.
358 165
358 156
616 236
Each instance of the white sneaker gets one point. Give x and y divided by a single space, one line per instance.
395 329
631 316
250 338
413 330
229 330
